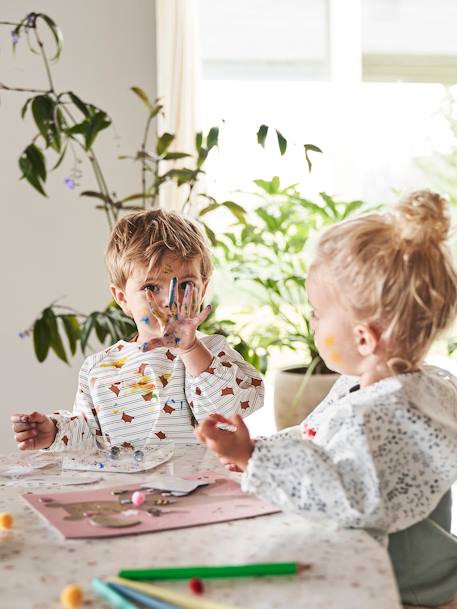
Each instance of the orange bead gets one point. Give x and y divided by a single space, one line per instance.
72 596
6 520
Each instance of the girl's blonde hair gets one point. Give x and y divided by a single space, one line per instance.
144 237
395 273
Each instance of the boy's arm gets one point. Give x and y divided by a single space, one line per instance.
77 430
228 386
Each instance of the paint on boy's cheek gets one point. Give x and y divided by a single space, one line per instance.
329 341
145 319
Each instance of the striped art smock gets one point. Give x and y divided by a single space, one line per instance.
128 398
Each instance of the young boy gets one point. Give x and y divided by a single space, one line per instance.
159 385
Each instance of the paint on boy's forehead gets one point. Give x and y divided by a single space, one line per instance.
166 270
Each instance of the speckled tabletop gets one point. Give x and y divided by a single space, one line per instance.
349 570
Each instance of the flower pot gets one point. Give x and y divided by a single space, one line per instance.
295 396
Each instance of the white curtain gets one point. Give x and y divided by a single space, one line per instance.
178 77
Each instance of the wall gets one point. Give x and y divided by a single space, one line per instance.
52 248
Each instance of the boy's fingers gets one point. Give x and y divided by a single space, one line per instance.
204 314
187 301
27 445
19 418
26 435
154 309
37 417
173 296
22 426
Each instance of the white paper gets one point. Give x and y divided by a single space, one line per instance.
173 484
101 462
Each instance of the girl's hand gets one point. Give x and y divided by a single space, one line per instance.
234 448
33 431
178 323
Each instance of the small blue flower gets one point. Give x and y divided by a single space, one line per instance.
69 183
31 19
21 334
14 37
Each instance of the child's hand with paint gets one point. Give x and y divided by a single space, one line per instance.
178 322
233 445
33 431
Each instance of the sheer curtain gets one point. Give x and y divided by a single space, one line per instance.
178 77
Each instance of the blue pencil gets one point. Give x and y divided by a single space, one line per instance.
154 603
114 598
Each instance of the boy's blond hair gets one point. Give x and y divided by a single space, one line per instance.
394 272
144 237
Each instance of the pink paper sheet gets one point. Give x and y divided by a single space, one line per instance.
220 501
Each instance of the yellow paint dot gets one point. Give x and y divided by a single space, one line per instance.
329 341
6 520
335 357
115 411
72 596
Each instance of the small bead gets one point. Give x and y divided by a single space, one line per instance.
196 586
114 452
6 521
138 455
72 596
138 498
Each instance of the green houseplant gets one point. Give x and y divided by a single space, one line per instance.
265 253
66 126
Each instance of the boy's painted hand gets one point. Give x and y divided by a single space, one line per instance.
178 322
234 448
33 431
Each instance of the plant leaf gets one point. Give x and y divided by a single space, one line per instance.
262 135
73 330
163 143
282 143
307 148
58 38
41 339
56 343
212 138
82 106
33 166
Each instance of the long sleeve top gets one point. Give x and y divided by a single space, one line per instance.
378 458
129 398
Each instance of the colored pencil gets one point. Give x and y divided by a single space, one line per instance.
110 595
181 600
253 570
153 603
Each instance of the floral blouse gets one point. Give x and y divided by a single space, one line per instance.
378 458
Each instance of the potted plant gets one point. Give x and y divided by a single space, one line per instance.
267 252
65 126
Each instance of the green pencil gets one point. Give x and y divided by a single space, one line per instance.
206 572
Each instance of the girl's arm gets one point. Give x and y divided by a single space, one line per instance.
382 470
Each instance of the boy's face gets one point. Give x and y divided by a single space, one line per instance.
132 298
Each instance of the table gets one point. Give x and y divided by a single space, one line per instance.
349 569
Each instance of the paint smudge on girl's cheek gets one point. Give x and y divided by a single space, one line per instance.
145 320
329 341
335 357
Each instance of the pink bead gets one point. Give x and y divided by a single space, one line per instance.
138 498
